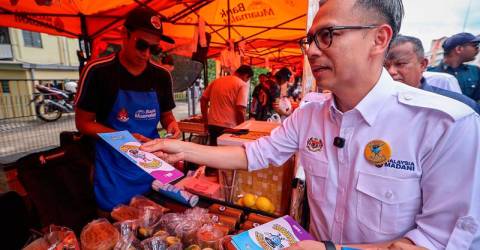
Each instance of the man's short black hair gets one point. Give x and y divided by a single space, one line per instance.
245 70
283 74
416 43
389 11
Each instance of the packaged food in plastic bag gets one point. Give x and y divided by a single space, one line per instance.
149 220
140 201
129 242
57 238
209 236
154 243
123 213
38 244
127 228
173 243
187 231
99 235
198 214
170 221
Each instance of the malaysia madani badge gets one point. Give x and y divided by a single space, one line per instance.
314 144
378 152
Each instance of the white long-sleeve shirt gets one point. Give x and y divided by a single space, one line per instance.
429 189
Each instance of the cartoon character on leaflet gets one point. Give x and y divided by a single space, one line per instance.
274 240
143 159
270 241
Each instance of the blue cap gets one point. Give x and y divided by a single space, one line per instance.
459 39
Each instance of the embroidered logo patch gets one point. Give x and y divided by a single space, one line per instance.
122 115
314 144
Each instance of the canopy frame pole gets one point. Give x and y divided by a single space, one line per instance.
189 10
213 30
84 37
228 20
280 24
26 16
245 26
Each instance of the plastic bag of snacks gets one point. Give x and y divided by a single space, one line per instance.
148 220
196 214
154 243
170 221
123 213
209 236
140 201
129 242
187 231
58 238
126 228
99 235
173 243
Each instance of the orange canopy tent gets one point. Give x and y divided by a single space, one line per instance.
263 28
82 19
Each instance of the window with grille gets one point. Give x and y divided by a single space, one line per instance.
32 39
5 86
4 36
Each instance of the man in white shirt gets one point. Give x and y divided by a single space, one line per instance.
443 81
386 165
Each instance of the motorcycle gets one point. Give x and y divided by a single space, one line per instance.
51 103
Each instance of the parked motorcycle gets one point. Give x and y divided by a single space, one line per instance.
51 103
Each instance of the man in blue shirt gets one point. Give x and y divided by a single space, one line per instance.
406 62
458 49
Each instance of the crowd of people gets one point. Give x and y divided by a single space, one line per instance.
406 174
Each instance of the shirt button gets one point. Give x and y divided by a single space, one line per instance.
338 218
389 194
407 97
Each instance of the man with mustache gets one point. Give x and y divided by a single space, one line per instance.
406 63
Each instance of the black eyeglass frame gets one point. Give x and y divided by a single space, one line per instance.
314 38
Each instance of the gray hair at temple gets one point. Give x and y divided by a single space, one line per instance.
416 43
388 11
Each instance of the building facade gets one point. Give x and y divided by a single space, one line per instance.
28 58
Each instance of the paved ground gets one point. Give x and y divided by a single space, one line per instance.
22 136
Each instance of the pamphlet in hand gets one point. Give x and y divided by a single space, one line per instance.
128 146
274 235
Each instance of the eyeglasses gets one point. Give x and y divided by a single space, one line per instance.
142 45
323 38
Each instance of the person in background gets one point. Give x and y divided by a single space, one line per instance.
224 102
126 91
442 80
386 167
459 49
254 99
406 63
279 92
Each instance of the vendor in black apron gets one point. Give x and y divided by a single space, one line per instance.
126 91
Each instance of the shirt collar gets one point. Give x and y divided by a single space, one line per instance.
372 103
446 67
424 85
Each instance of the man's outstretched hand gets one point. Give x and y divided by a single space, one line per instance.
169 150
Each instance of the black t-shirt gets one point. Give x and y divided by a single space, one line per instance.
101 80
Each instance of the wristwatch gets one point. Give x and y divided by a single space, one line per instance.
329 245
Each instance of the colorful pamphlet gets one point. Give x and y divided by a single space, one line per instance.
128 146
274 235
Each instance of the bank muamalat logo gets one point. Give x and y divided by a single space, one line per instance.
257 9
